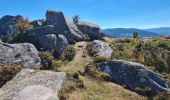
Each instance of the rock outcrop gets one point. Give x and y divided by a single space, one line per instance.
40 31
61 44
99 48
93 31
7 26
134 75
64 26
47 42
38 23
31 84
24 54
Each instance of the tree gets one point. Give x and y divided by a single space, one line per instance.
135 35
76 19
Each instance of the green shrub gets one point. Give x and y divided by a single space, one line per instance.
56 64
68 53
92 71
153 52
99 59
46 59
22 25
22 38
7 73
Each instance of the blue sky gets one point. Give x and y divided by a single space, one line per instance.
105 13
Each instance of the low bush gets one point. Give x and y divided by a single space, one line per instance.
90 50
7 73
68 53
145 91
162 96
152 52
22 25
126 40
99 59
46 59
92 71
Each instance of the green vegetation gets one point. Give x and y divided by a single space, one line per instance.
68 53
46 59
99 59
21 26
152 52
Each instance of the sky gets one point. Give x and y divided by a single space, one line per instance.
141 14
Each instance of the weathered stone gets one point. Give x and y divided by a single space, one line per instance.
47 42
134 75
61 44
31 84
64 26
99 48
24 54
93 31
7 26
39 23
39 31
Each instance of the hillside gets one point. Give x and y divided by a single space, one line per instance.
61 59
127 32
162 30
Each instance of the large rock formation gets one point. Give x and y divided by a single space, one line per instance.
99 48
24 54
134 75
61 44
93 31
39 31
8 25
30 84
47 42
64 26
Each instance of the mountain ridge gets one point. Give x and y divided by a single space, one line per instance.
128 32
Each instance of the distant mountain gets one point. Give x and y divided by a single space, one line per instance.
162 30
128 32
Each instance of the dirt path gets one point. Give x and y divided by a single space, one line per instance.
73 65
80 47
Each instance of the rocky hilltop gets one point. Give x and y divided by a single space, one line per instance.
56 58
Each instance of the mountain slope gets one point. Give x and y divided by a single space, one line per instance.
127 32
162 30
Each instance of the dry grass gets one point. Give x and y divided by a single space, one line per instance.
89 88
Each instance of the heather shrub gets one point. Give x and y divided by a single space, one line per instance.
99 59
162 96
7 73
91 51
68 53
22 25
92 71
46 59
153 52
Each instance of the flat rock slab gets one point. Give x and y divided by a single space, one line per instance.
31 84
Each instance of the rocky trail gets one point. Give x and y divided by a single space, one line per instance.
72 65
